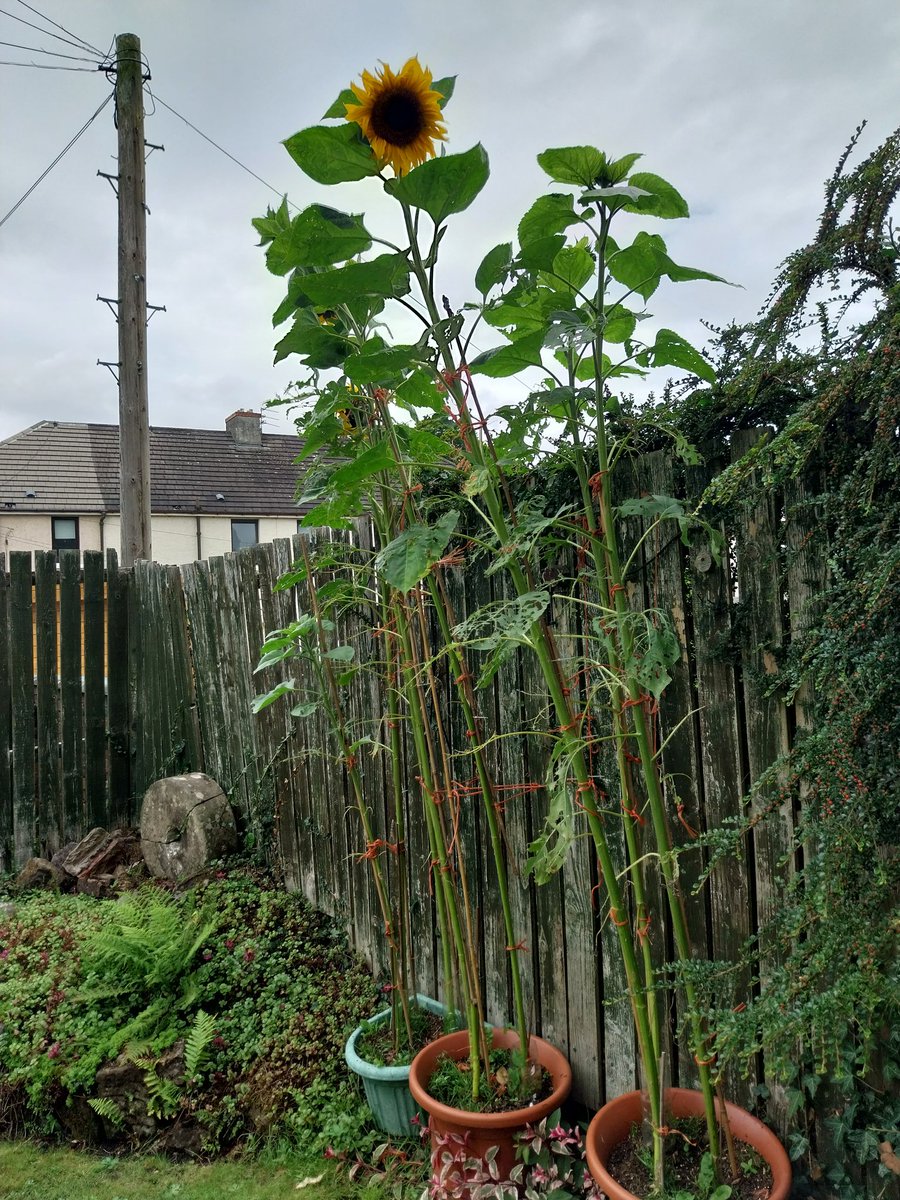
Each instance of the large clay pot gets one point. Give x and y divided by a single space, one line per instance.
484 1130
614 1122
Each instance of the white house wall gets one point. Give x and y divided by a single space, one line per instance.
174 538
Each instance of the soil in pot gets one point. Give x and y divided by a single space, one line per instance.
375 1043
503 1090
689 1165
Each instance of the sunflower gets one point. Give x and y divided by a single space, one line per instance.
399 115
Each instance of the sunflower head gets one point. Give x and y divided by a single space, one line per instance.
399 115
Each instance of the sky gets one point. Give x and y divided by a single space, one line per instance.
744 105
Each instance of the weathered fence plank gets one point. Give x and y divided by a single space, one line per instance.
6 790
71 696
117 684
96 773
46 612
21 674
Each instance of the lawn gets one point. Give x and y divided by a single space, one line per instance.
31 1172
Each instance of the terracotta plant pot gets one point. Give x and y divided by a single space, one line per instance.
484 1130
614 1121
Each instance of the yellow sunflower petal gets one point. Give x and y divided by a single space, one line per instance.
399 114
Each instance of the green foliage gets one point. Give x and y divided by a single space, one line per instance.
332 153
443 186
83 981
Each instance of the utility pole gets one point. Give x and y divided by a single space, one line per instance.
134 421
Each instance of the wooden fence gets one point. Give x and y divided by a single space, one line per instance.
179 644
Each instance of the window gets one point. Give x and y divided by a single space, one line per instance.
244 533
65 533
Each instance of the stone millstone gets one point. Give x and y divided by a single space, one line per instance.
186 823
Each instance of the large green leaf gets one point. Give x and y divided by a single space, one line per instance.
366 464
444 185
319 346
332 153
641 265
573 164
381 365
339 108
509 360
671 350
662 201
387 275
494 267
318 237
418 390
549 214
539 254
408 558
620 323
572 267
445 87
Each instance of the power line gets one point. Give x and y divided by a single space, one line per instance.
44 17
47 66
159 100
96 113
41 50
45 32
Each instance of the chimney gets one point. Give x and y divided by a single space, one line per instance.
245 428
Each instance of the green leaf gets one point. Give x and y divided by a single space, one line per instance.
444 185
539 254
494 267
379 366
418 390
573 164
445 86
318 237
614 192
671 350
387 275
620 323
641 265
369 462
425 447
662 201
549 214
309 709
618 170
275 693
572 267
409 557
340 654
339 108
332 153
319 346
509 360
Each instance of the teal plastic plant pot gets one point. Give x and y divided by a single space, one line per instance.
387 1088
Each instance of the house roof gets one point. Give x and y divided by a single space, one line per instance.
74 468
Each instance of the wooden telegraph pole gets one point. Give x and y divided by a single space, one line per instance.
134 422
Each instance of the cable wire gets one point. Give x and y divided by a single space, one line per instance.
65 150
159 100
54 53
87 45
47 66
45 32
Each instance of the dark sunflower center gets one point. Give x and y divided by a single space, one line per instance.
398 117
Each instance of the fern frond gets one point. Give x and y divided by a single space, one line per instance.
108 1109
197 1044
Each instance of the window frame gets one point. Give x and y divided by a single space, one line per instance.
245 521
58 543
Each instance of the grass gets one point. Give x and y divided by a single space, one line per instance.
31 1172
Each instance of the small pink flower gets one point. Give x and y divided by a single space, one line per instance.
539 1175
249 956
329 1152
229 943
54 1050
207 955
4 954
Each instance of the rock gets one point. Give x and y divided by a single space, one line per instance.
81 854
59 858
122 850
38 873
122 1082
101 887
186 823
7 911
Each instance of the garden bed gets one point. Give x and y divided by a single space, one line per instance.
192 1022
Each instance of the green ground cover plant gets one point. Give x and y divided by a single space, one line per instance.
256 989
